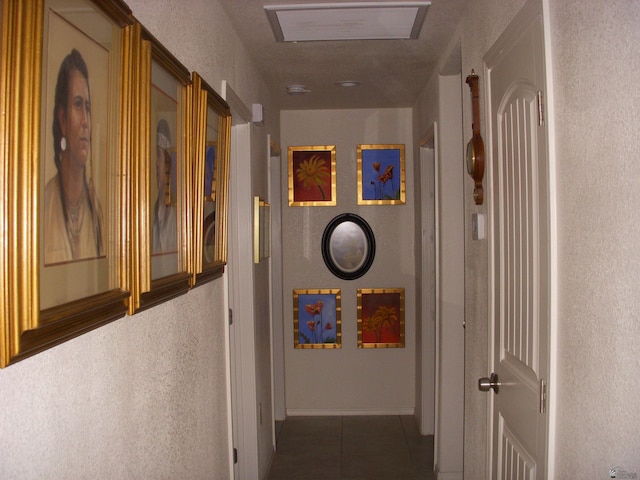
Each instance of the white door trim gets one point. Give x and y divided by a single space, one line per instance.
242 361
553 238
430 268
277 308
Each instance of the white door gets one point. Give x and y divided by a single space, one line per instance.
519 258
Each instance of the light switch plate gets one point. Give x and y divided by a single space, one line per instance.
477 226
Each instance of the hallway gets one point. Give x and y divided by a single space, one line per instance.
352 448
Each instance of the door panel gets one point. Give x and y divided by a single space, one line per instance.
515 463
520 243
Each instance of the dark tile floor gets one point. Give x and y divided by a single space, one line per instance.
352 448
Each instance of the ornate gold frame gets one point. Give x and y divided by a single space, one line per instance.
146 292
208 104
391 316
261 230
381 177
317 294
26 328
311 151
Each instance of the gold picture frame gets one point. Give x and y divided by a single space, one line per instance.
261 230
162 199
212 141
381 174
65 86
312 176
317 318
381 318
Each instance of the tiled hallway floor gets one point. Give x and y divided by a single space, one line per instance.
352 448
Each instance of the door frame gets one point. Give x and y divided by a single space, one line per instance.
277 307
430 281
242 392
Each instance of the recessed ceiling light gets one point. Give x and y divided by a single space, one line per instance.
348 83
347 21
297 90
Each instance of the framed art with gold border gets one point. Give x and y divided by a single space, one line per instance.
212 124
65 89
161 177
312 176
381 174
317 318
261 229
381 318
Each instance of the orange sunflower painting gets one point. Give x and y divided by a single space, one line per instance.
381 318
312 176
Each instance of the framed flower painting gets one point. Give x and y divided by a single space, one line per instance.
317 318
312 176
381 175
381 318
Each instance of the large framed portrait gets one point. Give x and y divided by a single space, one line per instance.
381 174
212 123
63 79
161 195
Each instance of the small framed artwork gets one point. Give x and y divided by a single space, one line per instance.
212 124
381 175
317 318
162 178
62 171
381 318
261 230
348 246
312 176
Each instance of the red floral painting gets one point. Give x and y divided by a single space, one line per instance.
380 318
311 176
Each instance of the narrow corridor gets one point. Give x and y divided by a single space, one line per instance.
352 448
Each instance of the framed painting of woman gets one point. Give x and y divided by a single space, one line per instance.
212 126
161 186
63 77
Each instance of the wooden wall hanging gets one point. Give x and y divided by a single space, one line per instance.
475 147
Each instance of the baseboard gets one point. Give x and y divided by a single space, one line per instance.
300 412
449 475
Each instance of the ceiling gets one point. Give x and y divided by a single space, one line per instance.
391 72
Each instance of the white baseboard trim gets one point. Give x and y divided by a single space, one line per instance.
449 476
300 412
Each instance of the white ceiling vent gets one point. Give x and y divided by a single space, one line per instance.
347 21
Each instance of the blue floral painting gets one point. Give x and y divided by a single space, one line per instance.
381 174
317 321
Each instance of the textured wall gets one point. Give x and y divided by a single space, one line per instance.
597 111
349 379
143 397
